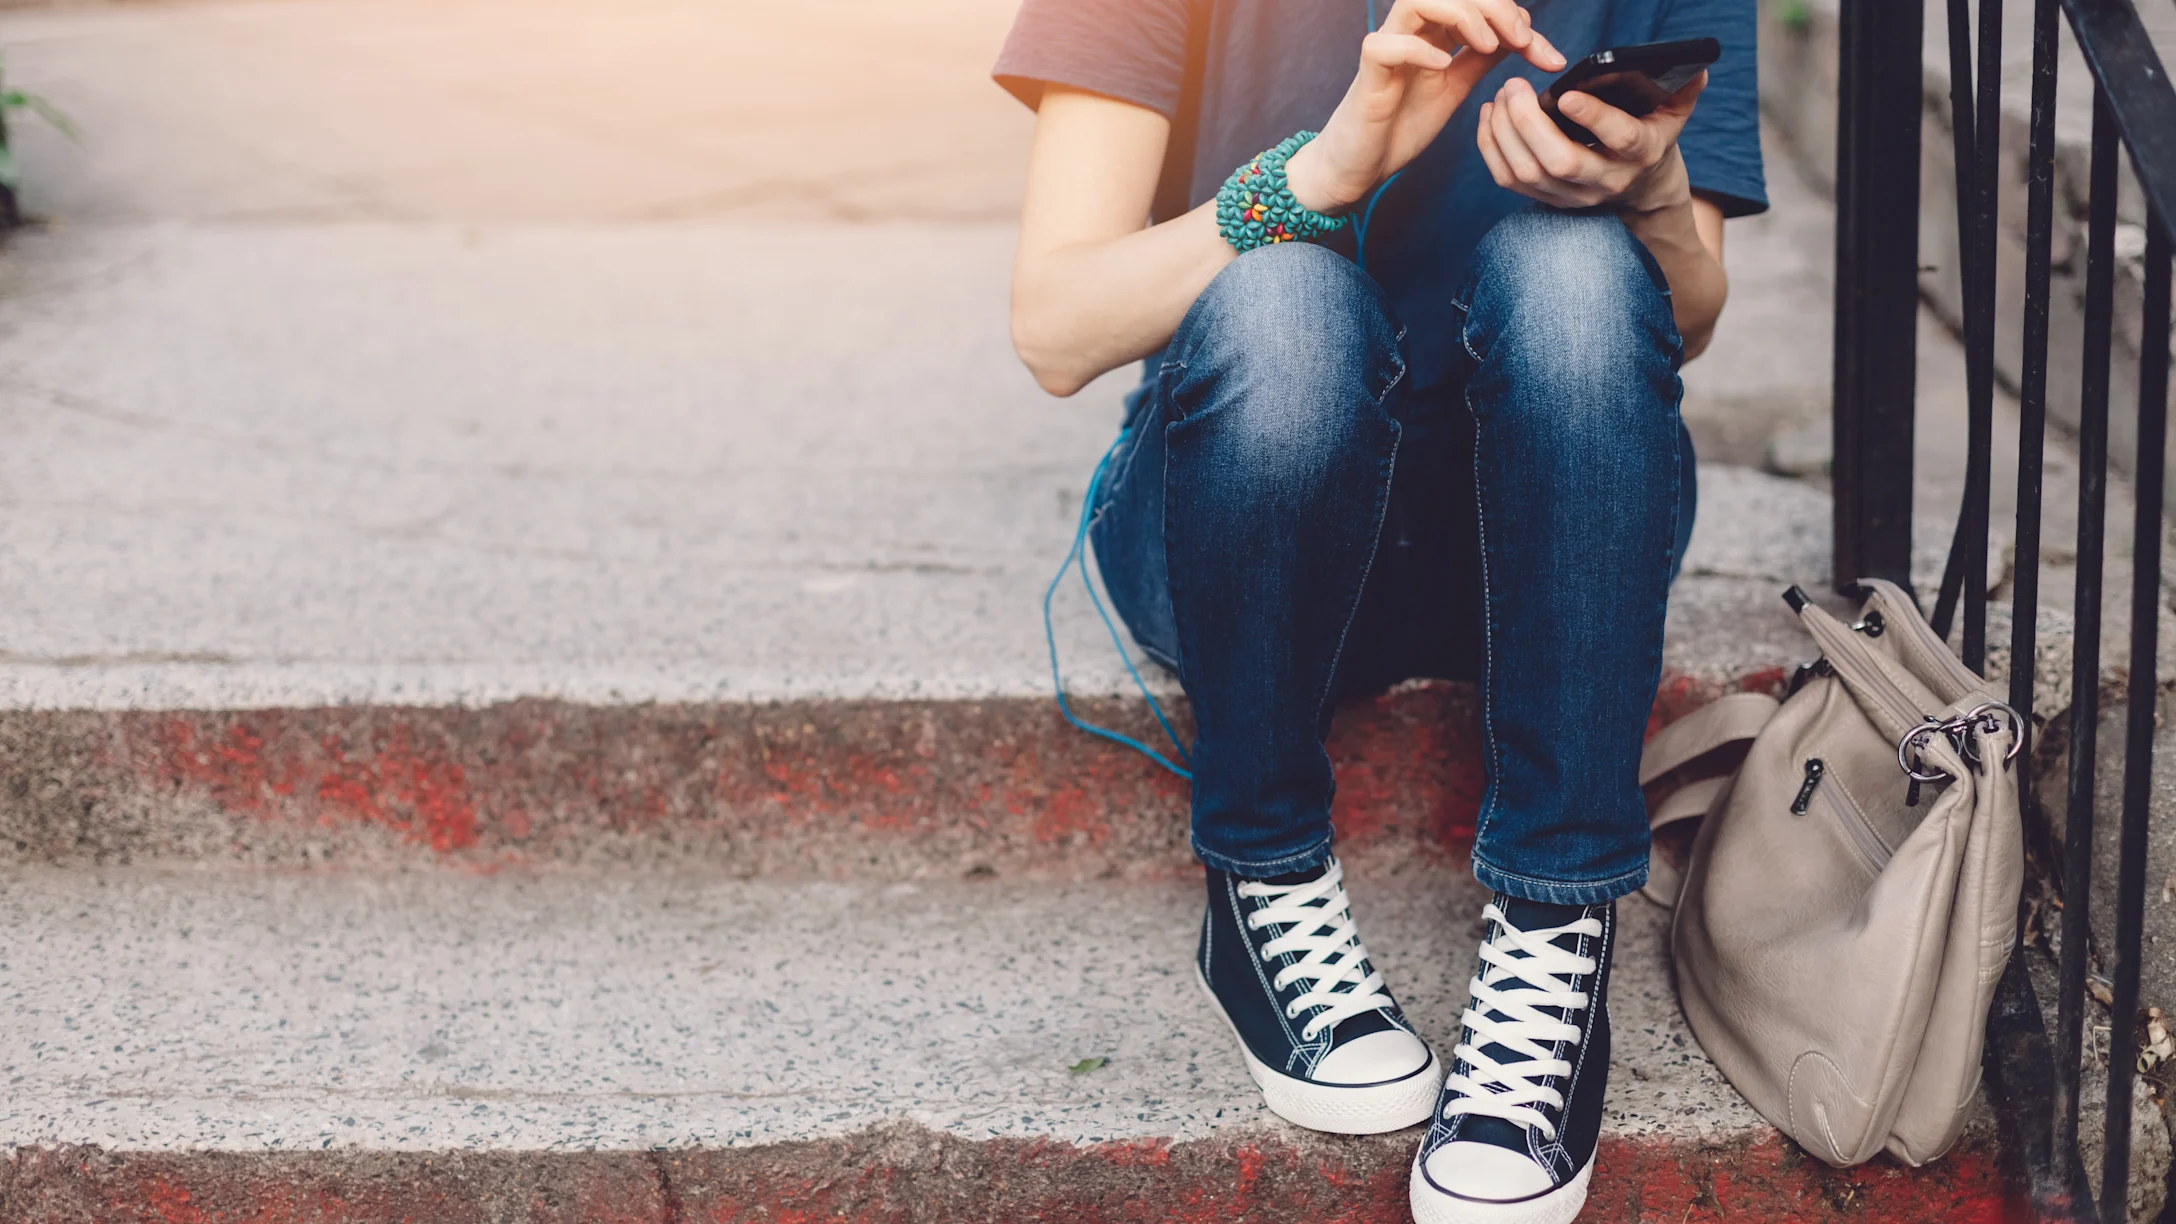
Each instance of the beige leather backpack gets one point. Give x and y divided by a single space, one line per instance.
1851 897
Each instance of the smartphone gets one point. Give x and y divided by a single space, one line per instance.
1633 79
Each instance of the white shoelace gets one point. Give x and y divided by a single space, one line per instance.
1317 918
1508 995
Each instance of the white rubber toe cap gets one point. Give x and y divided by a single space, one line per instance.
1486 1172
1372 1059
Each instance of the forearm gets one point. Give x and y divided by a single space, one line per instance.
1698 285
1083 309
1092 290
1091 306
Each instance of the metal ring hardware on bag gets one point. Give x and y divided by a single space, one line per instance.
1983 716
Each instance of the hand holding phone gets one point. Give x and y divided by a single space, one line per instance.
1628 160
1634 79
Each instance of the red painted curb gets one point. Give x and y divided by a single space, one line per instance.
907 1175
828 788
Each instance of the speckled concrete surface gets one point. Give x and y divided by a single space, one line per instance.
280 466
424 1011
699 463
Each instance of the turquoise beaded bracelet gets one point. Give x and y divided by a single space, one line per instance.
1255 207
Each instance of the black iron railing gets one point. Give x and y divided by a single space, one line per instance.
1877 286
2134 112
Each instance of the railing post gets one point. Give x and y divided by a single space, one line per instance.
1877 286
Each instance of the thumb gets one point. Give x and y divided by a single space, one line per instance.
1678 106
1668 118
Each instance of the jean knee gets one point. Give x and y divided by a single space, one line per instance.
1291 350
1573 310
1576 285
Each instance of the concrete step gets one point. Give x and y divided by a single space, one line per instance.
332 1046
715 544
398 584
869 788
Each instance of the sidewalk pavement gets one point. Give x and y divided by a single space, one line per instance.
494 112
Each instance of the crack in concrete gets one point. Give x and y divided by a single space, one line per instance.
120 658
676 1212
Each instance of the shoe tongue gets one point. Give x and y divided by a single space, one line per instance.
1540 915
1526 916
1290 878
1372 1021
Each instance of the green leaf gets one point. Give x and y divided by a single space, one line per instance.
1085 1065
52 114
9 177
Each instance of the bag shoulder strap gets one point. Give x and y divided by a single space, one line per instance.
1731 719
1695 800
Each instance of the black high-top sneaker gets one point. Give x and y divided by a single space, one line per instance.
1513 1139
1324 1041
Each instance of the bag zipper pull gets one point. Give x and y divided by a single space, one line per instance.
1814 769
1911 794
1806 672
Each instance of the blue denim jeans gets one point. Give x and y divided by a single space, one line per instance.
1285 522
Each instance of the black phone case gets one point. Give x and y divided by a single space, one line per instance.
1633 79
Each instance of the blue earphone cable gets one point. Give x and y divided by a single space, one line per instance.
1360 228
1077 555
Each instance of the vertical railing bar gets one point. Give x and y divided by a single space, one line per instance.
1964 153
1980 334
1877 298
2138 726
2032 405
2019 1063
2085 659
